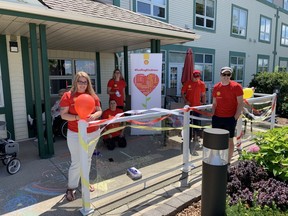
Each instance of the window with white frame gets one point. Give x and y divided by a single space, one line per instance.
265 29
263 63
239 22
205 14
284 35
154 8
204 63
285 4
62 71
237 63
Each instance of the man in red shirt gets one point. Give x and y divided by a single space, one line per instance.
112 138
227 105
194 94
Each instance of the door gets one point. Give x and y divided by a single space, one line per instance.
175 74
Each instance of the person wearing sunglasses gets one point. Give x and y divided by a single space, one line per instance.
227 105
194 94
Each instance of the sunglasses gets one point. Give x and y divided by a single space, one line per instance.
226 74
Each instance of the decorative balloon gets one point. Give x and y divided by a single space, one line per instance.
84 105
248 93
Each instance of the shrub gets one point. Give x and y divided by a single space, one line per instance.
266 82
273 153
250 185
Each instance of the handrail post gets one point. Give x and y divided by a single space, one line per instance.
186 138
273 114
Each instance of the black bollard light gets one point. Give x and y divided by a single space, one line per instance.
214 172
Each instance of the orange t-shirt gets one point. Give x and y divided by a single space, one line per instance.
226 98
193 91
68 100
117 86
107 114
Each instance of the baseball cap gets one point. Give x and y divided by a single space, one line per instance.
226 69
196 72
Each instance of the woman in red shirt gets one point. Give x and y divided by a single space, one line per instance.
116 89
81 85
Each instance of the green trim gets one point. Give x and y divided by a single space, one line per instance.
275 40
27 81
125 53
116 3
259 39
49 151
238 54
231 27
7 109
37 91
153 45
284 59
204 28
98 72
82 23
116 63
259 56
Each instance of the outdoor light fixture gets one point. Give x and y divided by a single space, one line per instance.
13 46
214 171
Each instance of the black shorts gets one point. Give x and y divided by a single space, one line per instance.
228 123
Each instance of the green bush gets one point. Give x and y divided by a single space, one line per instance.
273 153
267 82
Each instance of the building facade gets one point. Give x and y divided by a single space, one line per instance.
249 36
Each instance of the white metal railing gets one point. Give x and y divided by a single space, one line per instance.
153 113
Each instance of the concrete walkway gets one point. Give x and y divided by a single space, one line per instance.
39 187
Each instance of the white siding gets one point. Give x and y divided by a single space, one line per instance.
17 91
127 4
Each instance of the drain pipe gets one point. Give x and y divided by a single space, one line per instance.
275 40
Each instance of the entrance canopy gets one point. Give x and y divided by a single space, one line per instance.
88 25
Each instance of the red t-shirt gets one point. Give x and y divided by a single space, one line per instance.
193 91
107 114
226 98
117 86
68 100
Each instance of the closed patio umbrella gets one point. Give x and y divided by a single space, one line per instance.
188 66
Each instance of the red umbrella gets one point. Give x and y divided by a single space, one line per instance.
188 66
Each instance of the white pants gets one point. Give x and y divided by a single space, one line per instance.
74 148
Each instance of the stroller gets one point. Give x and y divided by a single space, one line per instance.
8 152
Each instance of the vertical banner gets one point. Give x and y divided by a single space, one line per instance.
146 70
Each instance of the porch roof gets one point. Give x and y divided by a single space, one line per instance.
86 25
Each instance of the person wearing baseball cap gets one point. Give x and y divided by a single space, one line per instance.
227 105
194 94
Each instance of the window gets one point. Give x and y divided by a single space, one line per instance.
205 14
204 63
239 22
263 63
62 71
237 63
284 35
285 4
283 64
265 29
154 8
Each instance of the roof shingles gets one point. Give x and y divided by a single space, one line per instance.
108 11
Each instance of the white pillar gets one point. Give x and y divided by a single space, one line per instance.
186 138
273 114
239 133
82 134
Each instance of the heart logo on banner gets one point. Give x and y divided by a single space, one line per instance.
146 84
